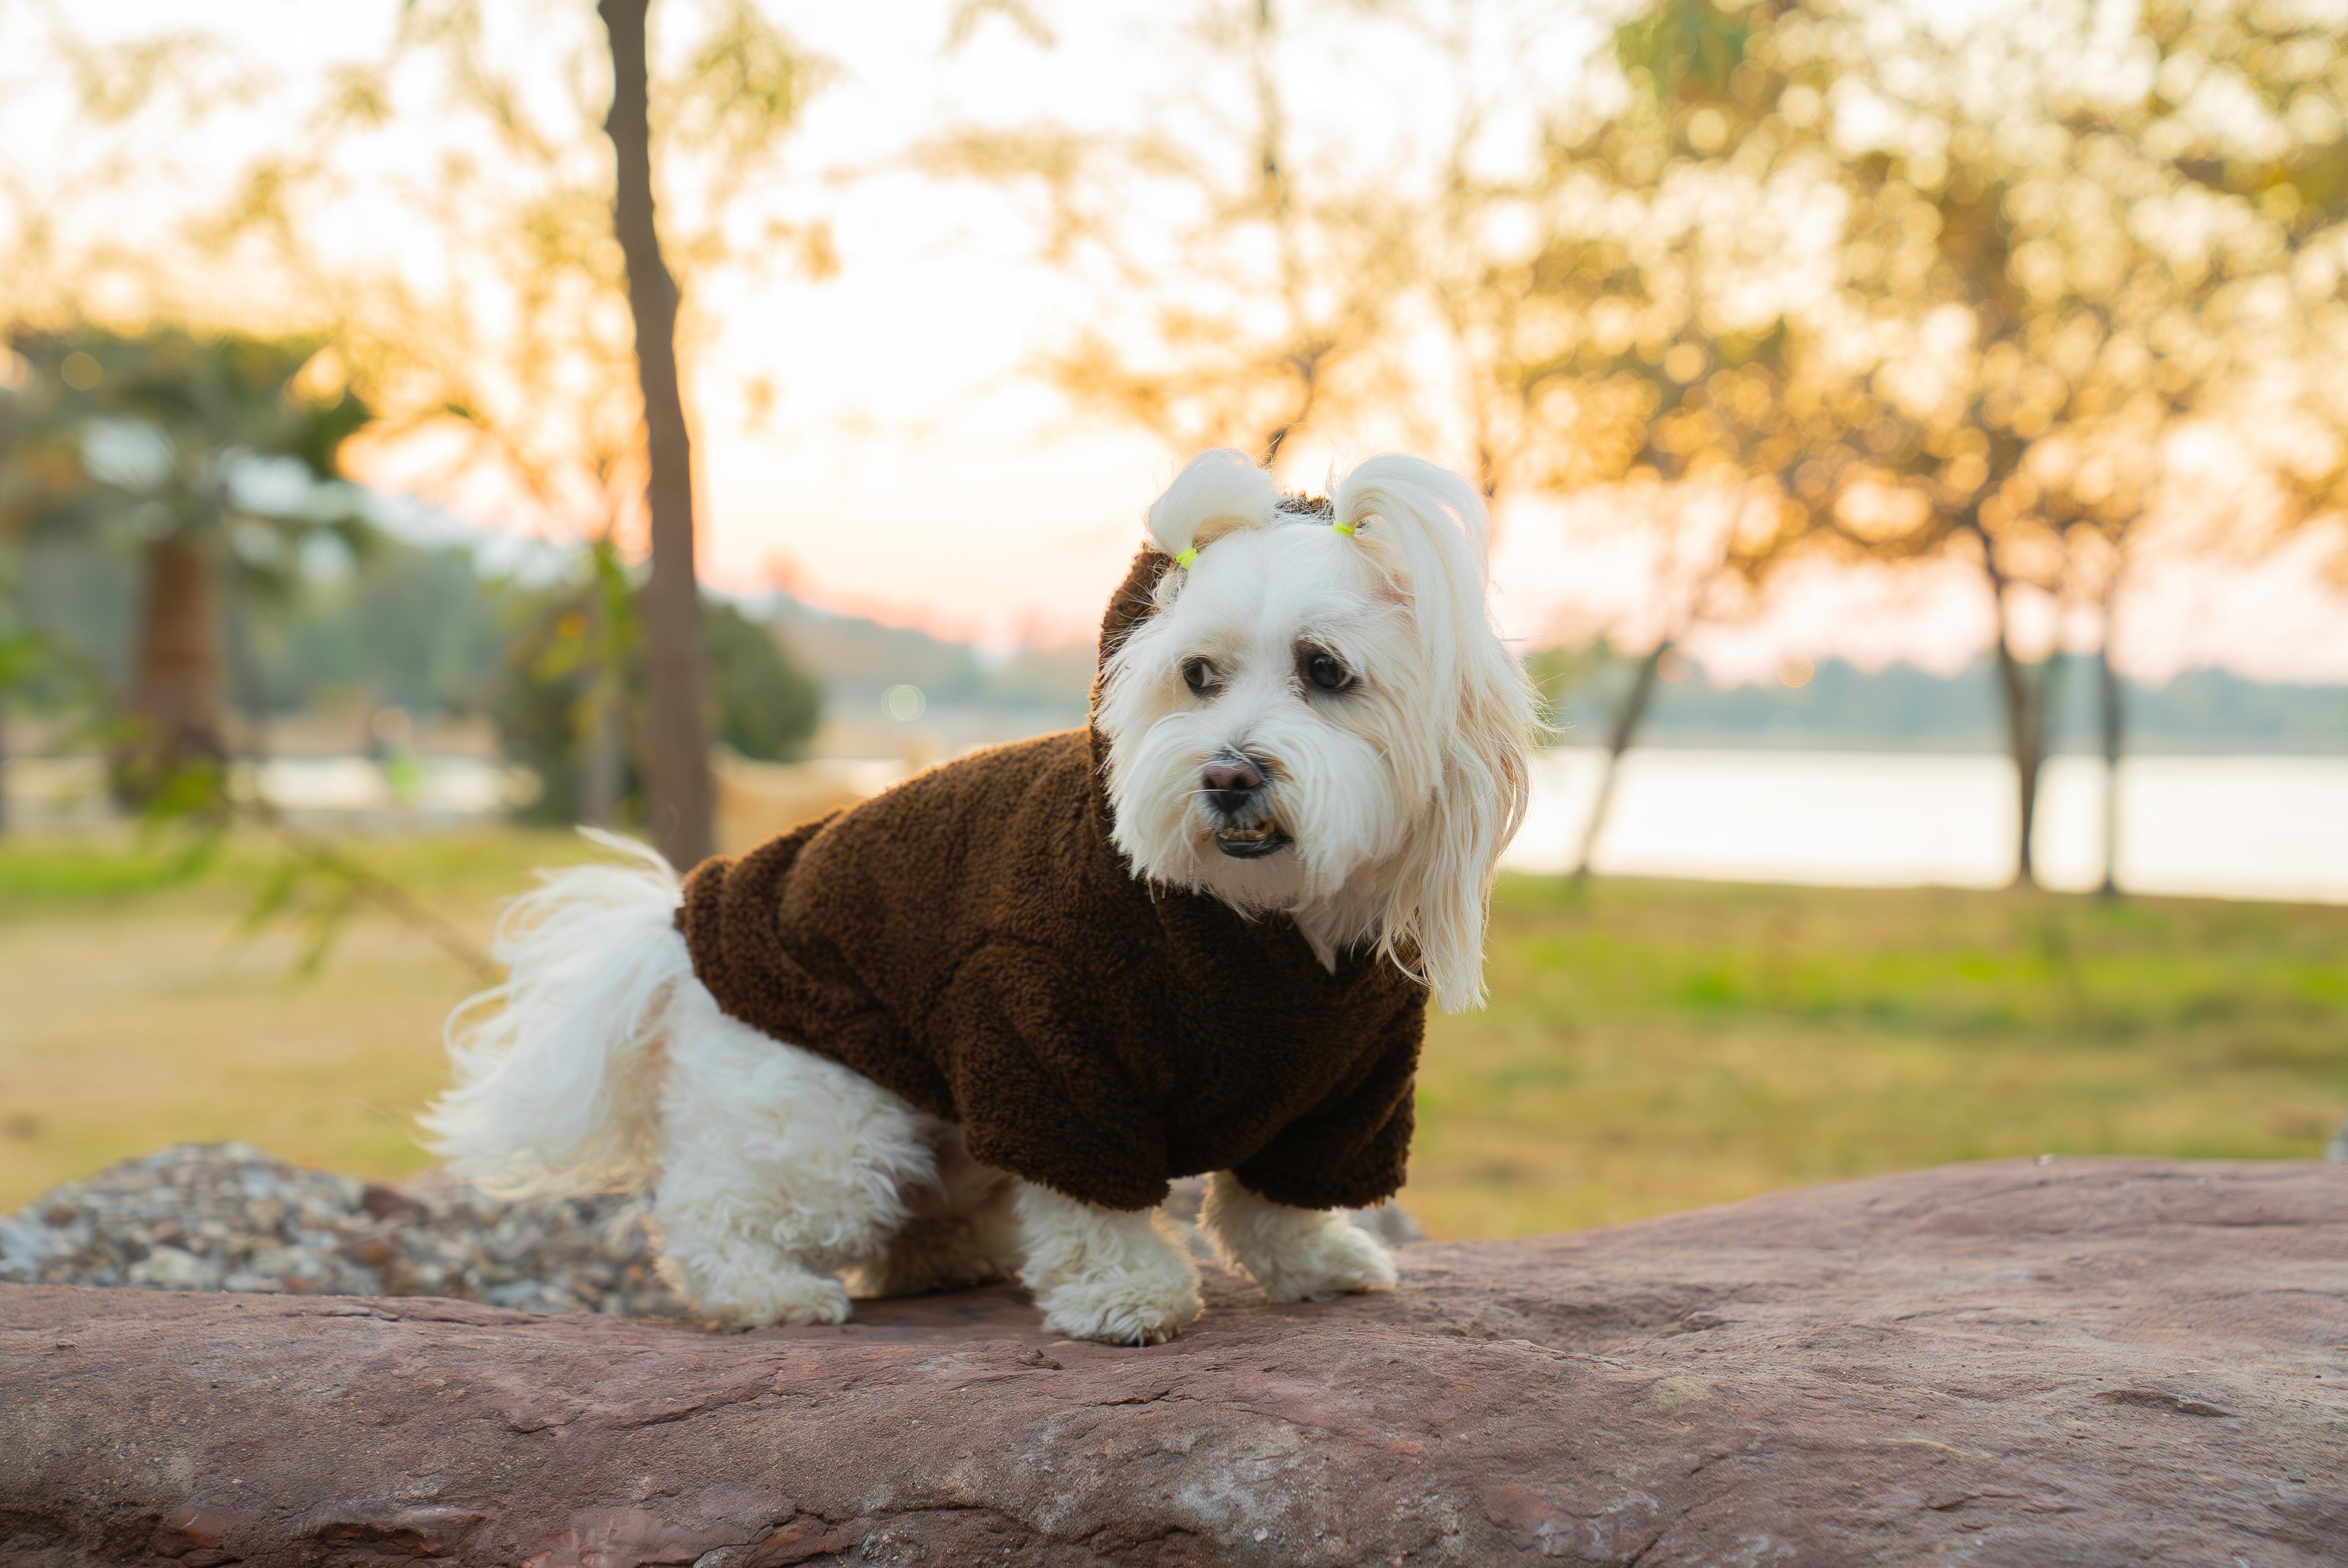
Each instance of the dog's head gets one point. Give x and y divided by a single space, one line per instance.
1318 713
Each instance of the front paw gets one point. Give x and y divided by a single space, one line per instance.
764 1298
1332 1260
1122 1309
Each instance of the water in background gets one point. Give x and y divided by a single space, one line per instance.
2244 827
2231 826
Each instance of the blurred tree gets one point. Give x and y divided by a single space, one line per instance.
21 651
413 626
2079 242
1241 288
2284 316
1664 335
217 459
761 702
2053 249
538 363
1842 279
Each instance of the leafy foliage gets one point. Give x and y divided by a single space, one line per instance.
1682 49
215 460
543 698
164 432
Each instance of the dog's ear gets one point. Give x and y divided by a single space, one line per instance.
1133 602
1442 892
1425 527
1215 493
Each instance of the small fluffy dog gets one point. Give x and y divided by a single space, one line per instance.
969 1028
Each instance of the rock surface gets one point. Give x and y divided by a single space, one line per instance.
2072 1364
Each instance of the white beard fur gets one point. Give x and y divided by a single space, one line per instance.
782 1178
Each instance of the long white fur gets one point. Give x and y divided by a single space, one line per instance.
554 1092
603 1063
1428 527
785 1168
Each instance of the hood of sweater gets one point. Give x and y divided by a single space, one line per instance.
1133 603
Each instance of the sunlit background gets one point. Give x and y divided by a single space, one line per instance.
1914 436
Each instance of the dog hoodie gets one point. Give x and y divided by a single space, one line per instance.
973 941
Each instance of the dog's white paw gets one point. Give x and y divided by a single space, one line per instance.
761 1298
1330 1260
1124 1308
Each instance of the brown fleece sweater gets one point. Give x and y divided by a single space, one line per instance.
972 941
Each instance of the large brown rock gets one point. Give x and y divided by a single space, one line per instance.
2077 1363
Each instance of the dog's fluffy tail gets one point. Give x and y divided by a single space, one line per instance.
555 1068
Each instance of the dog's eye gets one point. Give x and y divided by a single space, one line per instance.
1198 675
1321 669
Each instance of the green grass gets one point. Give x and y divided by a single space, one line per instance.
136 1011
1650 1046
1655 1045
73 874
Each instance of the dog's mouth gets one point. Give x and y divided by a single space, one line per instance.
1251 842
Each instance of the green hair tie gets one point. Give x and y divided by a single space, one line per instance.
1184 557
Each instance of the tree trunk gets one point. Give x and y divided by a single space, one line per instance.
1627 719
2025 714
676 739
3 762
2115 717
2026 741
176 671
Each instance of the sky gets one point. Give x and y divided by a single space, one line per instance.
910 464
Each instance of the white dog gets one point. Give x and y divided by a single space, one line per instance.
1308 743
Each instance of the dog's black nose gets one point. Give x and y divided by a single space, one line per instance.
1232 781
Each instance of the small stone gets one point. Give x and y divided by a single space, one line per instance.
374 1251
384 1202
170 1268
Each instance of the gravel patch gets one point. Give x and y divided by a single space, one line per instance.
225 1216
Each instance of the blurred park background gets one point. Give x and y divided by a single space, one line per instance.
1916 434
